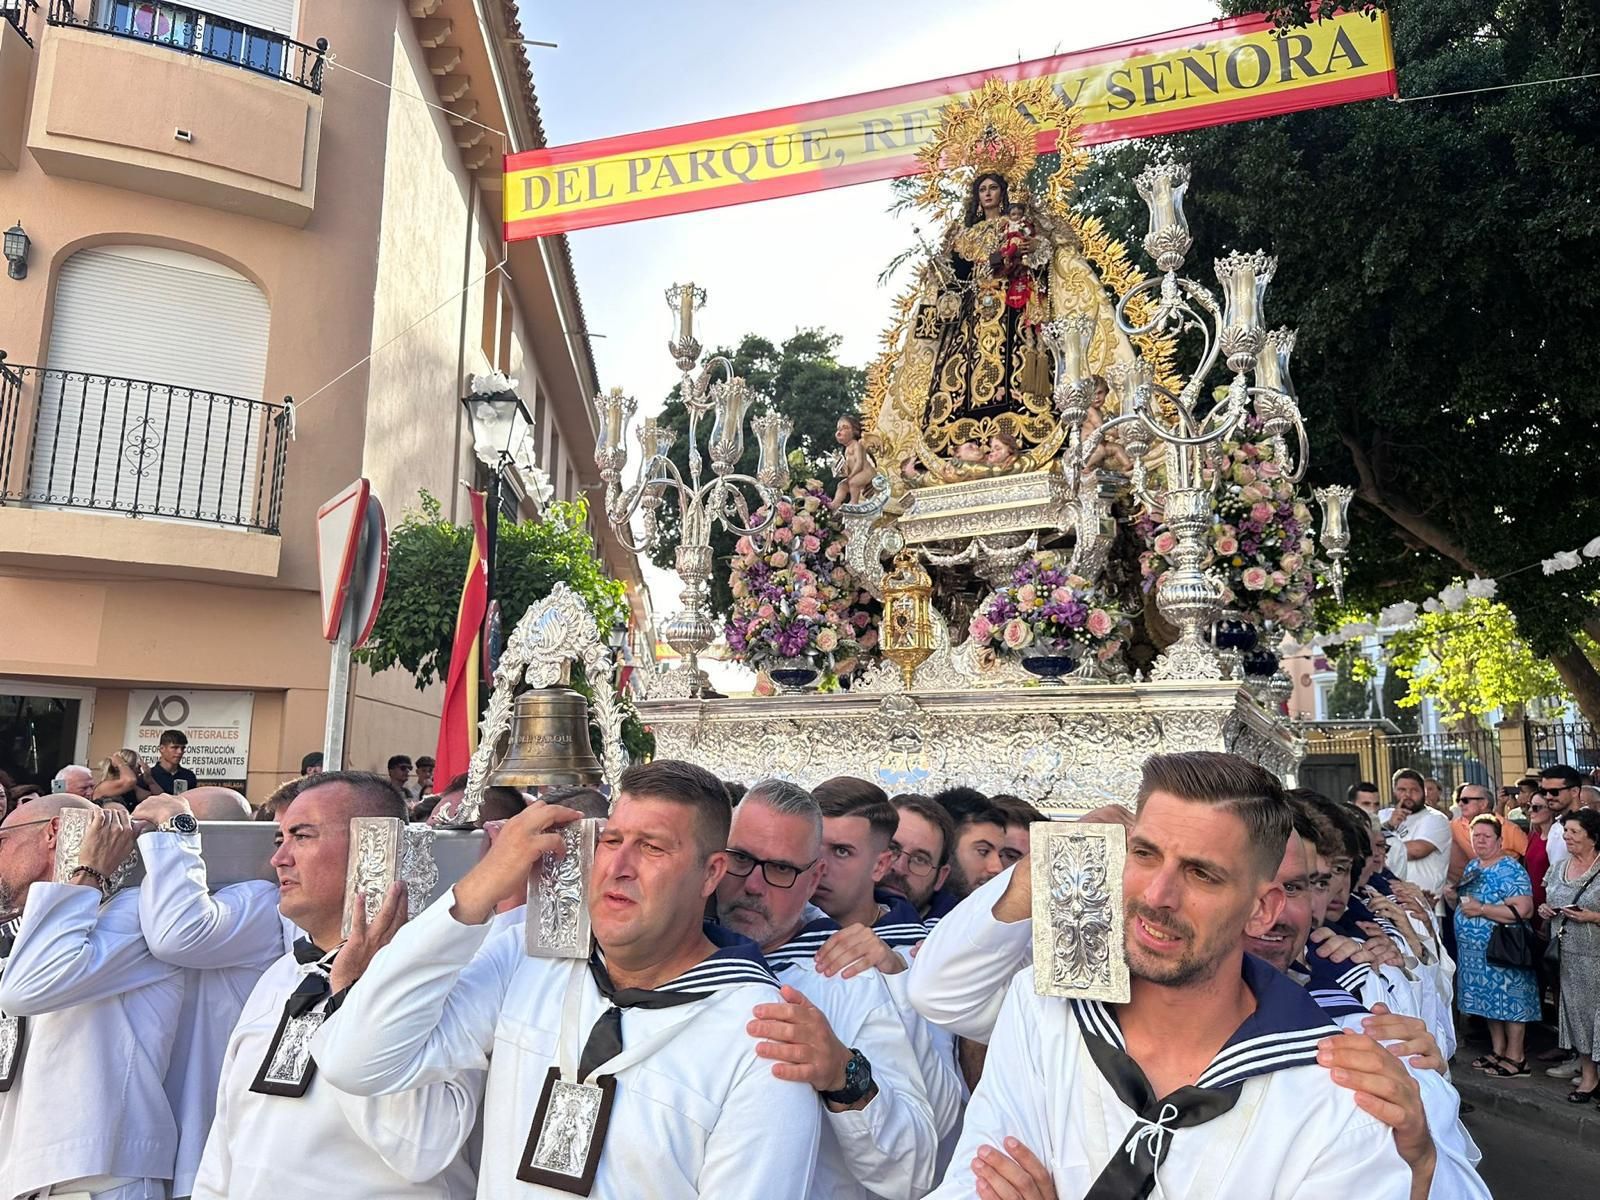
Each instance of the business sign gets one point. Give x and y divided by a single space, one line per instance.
1231 70
217 725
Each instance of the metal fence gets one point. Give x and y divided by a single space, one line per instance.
1573 742
139 448
1337 758
195 31
15 13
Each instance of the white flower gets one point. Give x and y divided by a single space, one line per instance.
1482 589
1398 615
1357 629
1565 560
491 383
1591 548
1454 597
1432 605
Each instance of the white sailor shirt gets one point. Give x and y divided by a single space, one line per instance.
224 941
702 1116
957 980
887 1149
328 1143
87 1099
1293 1134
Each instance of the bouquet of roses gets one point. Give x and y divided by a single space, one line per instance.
1260 542
1044 609
792 596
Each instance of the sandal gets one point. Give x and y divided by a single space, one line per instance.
1486 1062
1577 1096
1508 1068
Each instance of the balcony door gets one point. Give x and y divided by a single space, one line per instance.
249 33
151 403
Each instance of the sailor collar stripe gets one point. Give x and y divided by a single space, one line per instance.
898 935
729 967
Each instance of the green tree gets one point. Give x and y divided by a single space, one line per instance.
805 382
1468 662
1437 257
1350 699
428 556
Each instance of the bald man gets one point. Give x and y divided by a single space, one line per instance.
223 940
80 994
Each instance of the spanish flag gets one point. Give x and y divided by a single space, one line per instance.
458 726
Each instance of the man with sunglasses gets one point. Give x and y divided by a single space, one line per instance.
842 1036
1558 789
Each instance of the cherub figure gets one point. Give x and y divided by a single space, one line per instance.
857 469
1108 451
1002 453
970 452
968 461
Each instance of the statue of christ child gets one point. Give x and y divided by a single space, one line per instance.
1022 291
857 468
1108 452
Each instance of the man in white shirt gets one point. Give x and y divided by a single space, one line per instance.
1419 836
281 1130
1206 1084
630 1073
87 1018
1560 787
224 941
842 1036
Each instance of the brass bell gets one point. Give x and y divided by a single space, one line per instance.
549 742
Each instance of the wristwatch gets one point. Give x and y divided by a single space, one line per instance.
179 822
857 1080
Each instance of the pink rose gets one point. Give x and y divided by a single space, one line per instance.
810 544
827 641
1269 470
834 550
785 511
1292 619
739 588
1026 595
1108 651
805 523
1255 579
1292 563
860 619
1227 545
1101 623
744 545
1166 543
1016 635
868 640
783 535
813 505
778 559
980 629
1243 474
839 575
808 606
765 612
1261 512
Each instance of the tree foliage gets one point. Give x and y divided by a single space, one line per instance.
1437 259
1350 698
805 382
1469 662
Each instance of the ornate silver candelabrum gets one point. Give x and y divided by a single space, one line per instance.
702 504
1191 421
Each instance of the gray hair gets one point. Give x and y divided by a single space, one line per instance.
787 798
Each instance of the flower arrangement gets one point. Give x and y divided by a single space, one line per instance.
792 596
1044 609
1261 540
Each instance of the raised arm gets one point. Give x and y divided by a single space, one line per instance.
72 951
959 976
188 925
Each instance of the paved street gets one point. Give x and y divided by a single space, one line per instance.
1520 1163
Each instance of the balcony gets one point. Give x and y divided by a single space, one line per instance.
80 453
16 75
175 102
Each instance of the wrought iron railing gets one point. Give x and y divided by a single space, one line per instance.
15 13
1350 755
1575 743
71 439
195 31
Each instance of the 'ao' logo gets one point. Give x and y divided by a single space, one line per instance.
166 710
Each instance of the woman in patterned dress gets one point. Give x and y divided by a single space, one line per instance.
1572 906
1494 890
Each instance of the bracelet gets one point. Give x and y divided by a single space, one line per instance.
100 881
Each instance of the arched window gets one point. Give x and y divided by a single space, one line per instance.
152 398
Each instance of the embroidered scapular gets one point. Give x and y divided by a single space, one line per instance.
13 1044
288 1068
569 1128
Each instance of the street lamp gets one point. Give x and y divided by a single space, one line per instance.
500 423
16 251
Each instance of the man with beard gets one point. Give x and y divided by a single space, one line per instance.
1207 1081
87 1018
979 842
1020 818
646 1038
919 860
1418 836
281 1129
1559 788
841 1036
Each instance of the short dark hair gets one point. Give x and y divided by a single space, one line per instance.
1588 818
1232 783
1568 775
499 803
376 795
935 815
399 760
174 737
847 796
679 782
587 800
1017 811
457 784
959 800
1313 822
736 791
314 759
1355 789
425 761
1407 773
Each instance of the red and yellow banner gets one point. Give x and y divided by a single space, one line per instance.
1231 70
458 723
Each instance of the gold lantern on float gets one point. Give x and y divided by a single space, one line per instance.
907 631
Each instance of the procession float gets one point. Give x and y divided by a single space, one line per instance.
1065 530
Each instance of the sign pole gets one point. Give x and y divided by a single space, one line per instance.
353 556
339 679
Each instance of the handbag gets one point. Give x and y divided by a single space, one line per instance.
1552 949
1512 946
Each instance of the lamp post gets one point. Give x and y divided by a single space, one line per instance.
16 243
499 422
702 505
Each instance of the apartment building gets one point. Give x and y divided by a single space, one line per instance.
214 211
